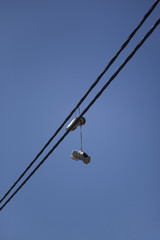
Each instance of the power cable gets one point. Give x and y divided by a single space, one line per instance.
85 110
84 97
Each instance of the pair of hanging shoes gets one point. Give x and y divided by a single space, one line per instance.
78 154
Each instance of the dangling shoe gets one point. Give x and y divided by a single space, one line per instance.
80 122
80 155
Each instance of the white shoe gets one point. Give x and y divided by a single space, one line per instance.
81 122
80 155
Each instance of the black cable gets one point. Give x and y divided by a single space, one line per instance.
84 97
86 109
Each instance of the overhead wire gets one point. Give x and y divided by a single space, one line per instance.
85 110
83 98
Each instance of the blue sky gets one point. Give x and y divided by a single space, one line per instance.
51 53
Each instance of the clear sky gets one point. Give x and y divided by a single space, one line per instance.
51 53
